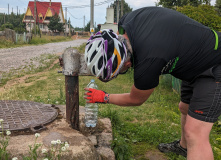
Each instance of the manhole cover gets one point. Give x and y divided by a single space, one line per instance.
21 115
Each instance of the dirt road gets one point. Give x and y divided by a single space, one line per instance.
13 58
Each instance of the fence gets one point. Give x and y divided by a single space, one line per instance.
10 35
172 82
22 38
176 84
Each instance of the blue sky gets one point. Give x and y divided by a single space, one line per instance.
76 14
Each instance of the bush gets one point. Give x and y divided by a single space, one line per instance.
205 14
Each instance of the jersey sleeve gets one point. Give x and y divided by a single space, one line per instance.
146 73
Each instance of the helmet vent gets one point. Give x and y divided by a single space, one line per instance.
89 47
115 64
92 56
122 52
99 44
105 61
112 34
105 72
93 70
100 62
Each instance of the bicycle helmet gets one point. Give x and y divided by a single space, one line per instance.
105 54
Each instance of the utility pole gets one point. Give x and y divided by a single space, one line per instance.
122 8
66 21
8 9
4 18
92 16
35 18
83 22
30 26
17 10
69 27
117 11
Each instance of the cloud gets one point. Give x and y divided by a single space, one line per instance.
140 3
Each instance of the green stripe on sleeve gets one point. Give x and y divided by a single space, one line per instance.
217 41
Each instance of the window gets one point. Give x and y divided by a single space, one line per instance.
29 17
47 18
41 26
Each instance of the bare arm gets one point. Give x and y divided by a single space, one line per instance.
136 97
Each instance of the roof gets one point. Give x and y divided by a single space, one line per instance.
42 7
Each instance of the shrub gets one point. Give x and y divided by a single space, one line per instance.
205 14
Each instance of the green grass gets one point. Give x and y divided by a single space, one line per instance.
136 130
44 62
48 39
35 41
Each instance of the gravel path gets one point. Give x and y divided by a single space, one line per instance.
13 58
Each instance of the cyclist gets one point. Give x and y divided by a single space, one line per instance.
160 41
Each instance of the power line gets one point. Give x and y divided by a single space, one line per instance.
74 16
84 6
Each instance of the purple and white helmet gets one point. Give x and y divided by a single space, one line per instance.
105 54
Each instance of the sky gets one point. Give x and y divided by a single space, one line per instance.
76 14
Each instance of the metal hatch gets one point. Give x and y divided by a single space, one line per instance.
22 115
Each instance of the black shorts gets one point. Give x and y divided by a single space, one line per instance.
204 95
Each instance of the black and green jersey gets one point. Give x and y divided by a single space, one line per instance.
165 41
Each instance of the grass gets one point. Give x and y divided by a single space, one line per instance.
44 61
136 130
35 41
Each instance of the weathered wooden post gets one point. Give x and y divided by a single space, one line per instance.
73 65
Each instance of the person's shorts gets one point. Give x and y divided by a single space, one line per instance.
204 95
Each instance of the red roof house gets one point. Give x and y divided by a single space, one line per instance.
45 10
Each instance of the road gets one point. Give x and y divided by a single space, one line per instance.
14 58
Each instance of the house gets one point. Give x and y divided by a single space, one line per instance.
109 24
45 10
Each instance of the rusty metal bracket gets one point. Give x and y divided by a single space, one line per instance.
74 65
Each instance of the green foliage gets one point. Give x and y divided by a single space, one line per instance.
204 14
127 9
37 30
35 41
48 39
218 6
12 21
6 25
4 141
179 3
78 29
87 27
55 25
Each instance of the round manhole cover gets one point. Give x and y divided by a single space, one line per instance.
21 115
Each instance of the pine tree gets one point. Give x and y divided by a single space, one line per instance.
55 25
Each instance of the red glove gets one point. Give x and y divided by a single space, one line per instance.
97 96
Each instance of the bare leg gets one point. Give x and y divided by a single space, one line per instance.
184 110
197 139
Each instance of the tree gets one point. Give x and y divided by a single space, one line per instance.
127 9
87 27
55 25
218 6
205 14
6 25
173 4
12 21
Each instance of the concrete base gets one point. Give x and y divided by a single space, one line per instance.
88 144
